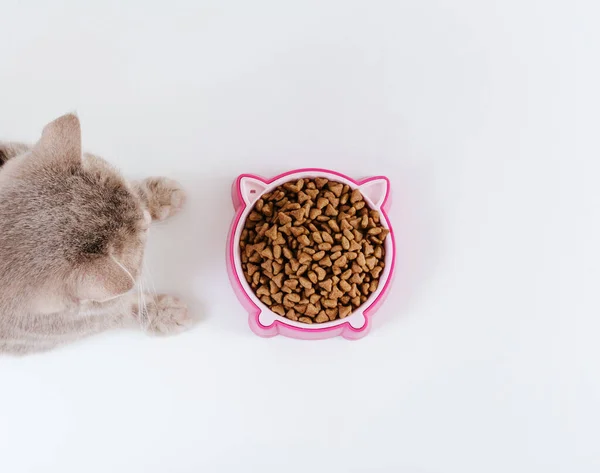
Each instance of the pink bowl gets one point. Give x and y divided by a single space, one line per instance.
247 188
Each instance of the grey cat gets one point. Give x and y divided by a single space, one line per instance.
72 238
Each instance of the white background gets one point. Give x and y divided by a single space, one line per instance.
485 116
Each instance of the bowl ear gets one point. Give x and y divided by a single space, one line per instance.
250 188
376 189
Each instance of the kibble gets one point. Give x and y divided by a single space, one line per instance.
312 250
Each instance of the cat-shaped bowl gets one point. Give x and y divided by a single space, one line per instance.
247 189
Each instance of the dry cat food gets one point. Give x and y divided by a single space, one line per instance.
312 250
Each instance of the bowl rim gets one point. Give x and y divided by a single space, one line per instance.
280 324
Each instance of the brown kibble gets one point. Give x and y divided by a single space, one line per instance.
335 187
346 243
333 225
321 273
330 303
254 217
263 291
371 262
330 211
312 249
312 192
360 259
297 231
303 197
341 262
349 235
335 293
356 196
344 311
278 280
305 283
321 182
272 233
345 286
314 213
303 240
326 262
304 258
364 223
354 246
297 214
357 278
267 253
284 218
318 256
344 225
322 203
267 266
278 309
311 310
327 285
301 308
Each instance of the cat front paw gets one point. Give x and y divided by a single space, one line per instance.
165 197
166 315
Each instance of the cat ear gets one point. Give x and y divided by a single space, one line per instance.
61 140
103 279
376 190
251 188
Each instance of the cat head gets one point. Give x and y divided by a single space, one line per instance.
70 225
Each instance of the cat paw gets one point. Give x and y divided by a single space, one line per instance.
165 197
165 315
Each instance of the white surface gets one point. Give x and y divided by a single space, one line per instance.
485 116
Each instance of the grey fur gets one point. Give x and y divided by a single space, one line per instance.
72 238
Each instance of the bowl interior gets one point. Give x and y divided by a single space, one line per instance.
356 318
